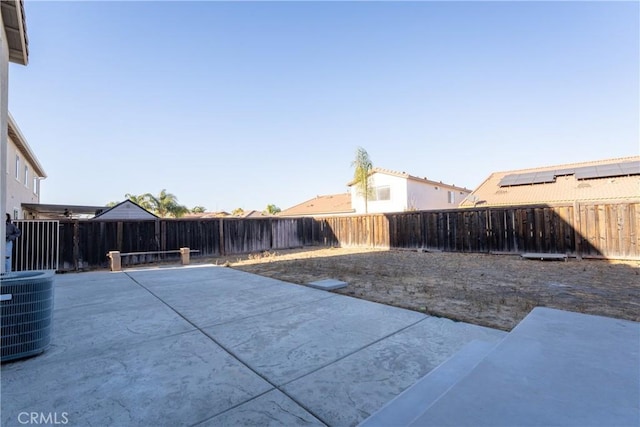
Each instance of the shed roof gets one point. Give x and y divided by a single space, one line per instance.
109 213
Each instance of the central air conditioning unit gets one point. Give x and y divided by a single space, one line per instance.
26 312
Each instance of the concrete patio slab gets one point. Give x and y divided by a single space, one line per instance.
211 302
328 284
270 409
409 405
381 371
290 343
214 346
176 380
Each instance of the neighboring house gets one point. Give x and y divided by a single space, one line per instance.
24 173
608 180
398 192
126 210
205 215
329 205
254 214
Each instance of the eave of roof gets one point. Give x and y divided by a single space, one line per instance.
126 201
15 27
411 177
21 142
322 205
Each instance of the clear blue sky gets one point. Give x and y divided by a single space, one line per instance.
245 104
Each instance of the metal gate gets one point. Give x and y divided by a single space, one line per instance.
37 247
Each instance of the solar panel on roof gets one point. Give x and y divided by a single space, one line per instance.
630 168
603 172
508 180
566 171
525 178
542 177
585 172
609 170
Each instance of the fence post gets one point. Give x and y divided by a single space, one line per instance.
184 256
115 262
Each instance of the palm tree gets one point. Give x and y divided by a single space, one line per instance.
166 204
361 178
198 209
142 200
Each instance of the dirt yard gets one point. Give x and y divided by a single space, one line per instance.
489 290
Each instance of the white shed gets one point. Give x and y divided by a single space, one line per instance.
126 210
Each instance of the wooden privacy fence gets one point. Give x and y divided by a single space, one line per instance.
584 230
85 243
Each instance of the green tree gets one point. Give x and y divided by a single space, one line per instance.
198 209
272 209
166 204
141 200
237 212
361 177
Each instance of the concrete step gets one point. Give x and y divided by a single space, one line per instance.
412 402
555 368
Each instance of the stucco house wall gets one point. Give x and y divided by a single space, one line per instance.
23 175
397 195
4 111
406 193
423 196
14 48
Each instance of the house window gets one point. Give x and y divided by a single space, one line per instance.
26 176
35 185
381 193
452 197
17 167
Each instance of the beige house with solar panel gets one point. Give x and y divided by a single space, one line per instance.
611 181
